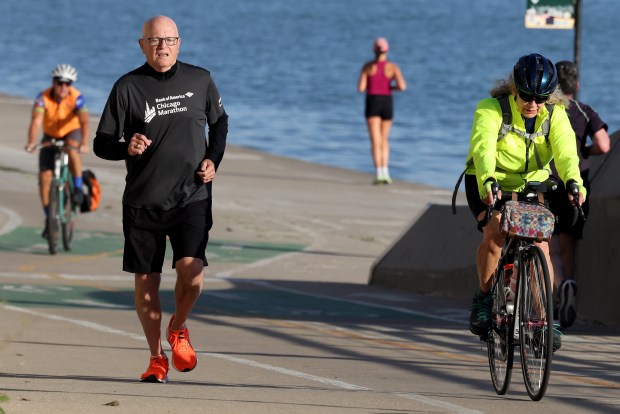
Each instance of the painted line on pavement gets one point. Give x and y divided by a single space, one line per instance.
579 339
341 384
356 302
298 374
13 220
257 282
85 324
286 371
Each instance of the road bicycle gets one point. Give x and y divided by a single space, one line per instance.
61 213
522 310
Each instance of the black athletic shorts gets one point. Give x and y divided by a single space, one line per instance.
145 233
46 154
380 105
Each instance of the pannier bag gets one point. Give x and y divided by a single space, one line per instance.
91 190
527 220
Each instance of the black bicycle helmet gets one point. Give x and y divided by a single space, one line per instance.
534 74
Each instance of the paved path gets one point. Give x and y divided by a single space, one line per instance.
286 322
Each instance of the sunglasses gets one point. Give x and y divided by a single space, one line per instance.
62 82
526 97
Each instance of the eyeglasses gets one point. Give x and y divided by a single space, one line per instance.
62 82
156 41
526 97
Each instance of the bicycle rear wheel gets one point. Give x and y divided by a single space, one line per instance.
500 344
536 322
67 217
53 219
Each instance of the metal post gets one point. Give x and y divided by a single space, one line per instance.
577 45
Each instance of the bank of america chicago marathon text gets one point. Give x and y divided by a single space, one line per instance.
162 105
174 108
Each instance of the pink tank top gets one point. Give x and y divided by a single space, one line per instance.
379 84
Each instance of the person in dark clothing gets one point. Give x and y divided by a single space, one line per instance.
155 119
586 123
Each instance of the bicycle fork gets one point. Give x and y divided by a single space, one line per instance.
62 177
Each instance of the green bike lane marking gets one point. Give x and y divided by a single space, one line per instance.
28 240
239 301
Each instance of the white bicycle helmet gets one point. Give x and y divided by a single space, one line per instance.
64 72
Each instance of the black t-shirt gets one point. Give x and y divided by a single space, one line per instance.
172 109
585 122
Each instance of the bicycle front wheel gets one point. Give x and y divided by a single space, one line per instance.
53 218
500 345
66 217
536 322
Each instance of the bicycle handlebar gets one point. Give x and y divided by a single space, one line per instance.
489 214
573 189
531 190
59 143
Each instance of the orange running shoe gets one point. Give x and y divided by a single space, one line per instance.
183 354
157 370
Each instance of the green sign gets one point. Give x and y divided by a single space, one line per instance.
550 14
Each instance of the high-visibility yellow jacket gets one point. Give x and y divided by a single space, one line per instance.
512 161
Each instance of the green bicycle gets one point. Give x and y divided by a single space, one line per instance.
61 214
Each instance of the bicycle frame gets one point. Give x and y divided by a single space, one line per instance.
61 175
60 210
526 322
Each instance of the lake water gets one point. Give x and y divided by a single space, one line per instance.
287 70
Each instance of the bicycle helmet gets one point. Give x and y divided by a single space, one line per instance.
64 72
535 75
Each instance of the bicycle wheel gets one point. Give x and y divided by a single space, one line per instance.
66 217
500 344
536 322
53 218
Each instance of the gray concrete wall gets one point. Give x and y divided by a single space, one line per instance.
598 267
436 254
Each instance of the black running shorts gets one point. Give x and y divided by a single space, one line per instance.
146 230
46 154
380 105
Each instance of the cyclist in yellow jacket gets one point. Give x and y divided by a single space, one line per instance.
521 155
61 111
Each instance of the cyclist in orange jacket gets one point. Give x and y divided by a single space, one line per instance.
61 111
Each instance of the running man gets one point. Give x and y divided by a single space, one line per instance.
155 120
